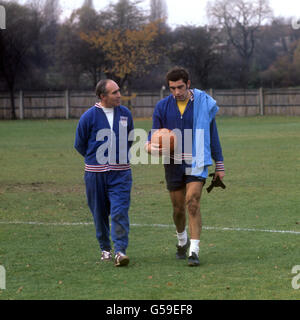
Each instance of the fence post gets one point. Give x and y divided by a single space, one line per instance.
2 18
211 92
67 104
162 91
21 105
261 101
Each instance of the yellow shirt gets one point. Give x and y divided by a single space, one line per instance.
182 105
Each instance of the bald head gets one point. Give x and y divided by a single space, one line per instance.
108 92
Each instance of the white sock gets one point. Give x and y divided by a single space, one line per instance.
182 238
194 247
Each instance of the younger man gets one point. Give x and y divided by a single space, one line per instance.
195 110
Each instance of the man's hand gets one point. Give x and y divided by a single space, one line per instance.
220 174
155 150
216 181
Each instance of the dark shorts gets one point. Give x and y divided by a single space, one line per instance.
177 178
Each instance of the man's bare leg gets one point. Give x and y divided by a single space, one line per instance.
178 202
179 218
193 196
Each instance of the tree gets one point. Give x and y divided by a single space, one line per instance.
127 40
285 71
241 20
193 48
126 14
51 11
77 58
158 10
127 52
17 42
88 4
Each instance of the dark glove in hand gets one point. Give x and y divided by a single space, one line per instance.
215 183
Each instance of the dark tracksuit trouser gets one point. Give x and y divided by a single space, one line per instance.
108 194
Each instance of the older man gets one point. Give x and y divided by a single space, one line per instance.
101 138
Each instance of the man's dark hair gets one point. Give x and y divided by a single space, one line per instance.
101 87
176 74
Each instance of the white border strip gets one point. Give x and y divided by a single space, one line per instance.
145 225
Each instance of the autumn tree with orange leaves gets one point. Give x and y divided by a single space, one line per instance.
128 53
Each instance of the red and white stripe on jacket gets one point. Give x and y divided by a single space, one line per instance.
107 167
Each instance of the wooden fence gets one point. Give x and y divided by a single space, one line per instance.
69 104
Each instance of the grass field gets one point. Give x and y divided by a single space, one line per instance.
242 253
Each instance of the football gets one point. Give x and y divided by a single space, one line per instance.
165 138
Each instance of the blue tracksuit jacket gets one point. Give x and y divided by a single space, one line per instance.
107 177
102 149
167 115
